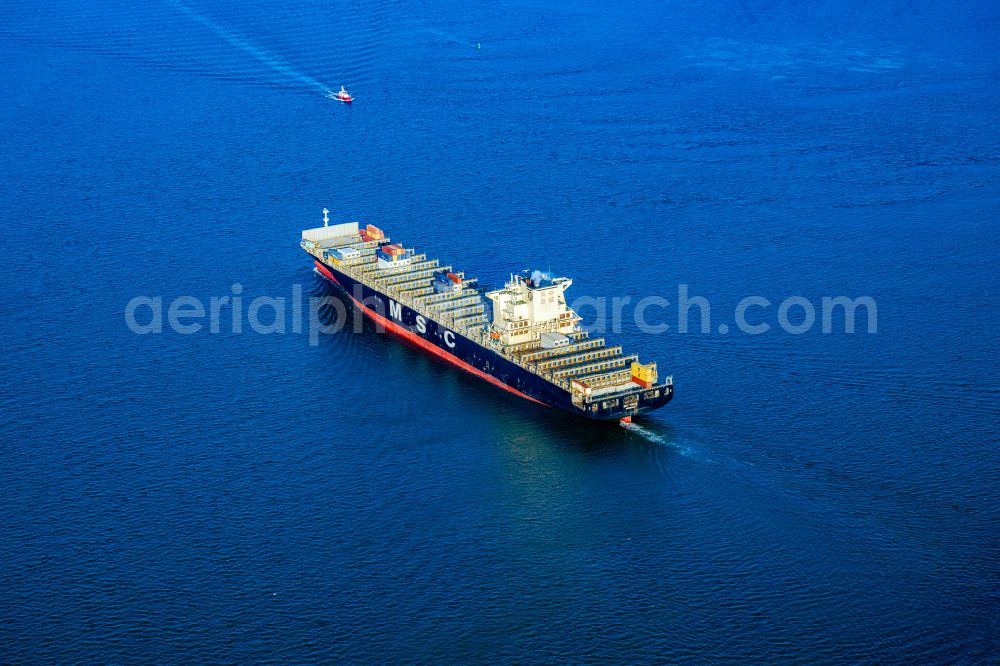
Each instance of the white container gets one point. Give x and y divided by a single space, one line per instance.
382 263
326 233
553 340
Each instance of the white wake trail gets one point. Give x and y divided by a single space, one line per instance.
262 56
448 37
653 438
646 434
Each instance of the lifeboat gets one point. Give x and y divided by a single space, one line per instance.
344 96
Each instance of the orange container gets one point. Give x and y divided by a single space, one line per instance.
374 232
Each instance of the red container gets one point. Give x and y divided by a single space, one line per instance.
454 278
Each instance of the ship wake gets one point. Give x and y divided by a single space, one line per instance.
654 438
273 62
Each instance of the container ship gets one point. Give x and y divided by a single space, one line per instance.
522 338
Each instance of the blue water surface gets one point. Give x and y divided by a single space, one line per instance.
240 497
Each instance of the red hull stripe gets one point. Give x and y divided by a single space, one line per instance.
325 271
423 344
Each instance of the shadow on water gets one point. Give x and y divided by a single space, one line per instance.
651 440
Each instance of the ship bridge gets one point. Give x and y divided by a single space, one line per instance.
531 303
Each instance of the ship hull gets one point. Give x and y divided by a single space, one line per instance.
469 355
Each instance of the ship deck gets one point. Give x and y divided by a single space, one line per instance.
604 369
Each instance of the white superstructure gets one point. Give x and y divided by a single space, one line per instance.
530 305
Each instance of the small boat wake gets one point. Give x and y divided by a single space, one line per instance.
242 43
448 37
